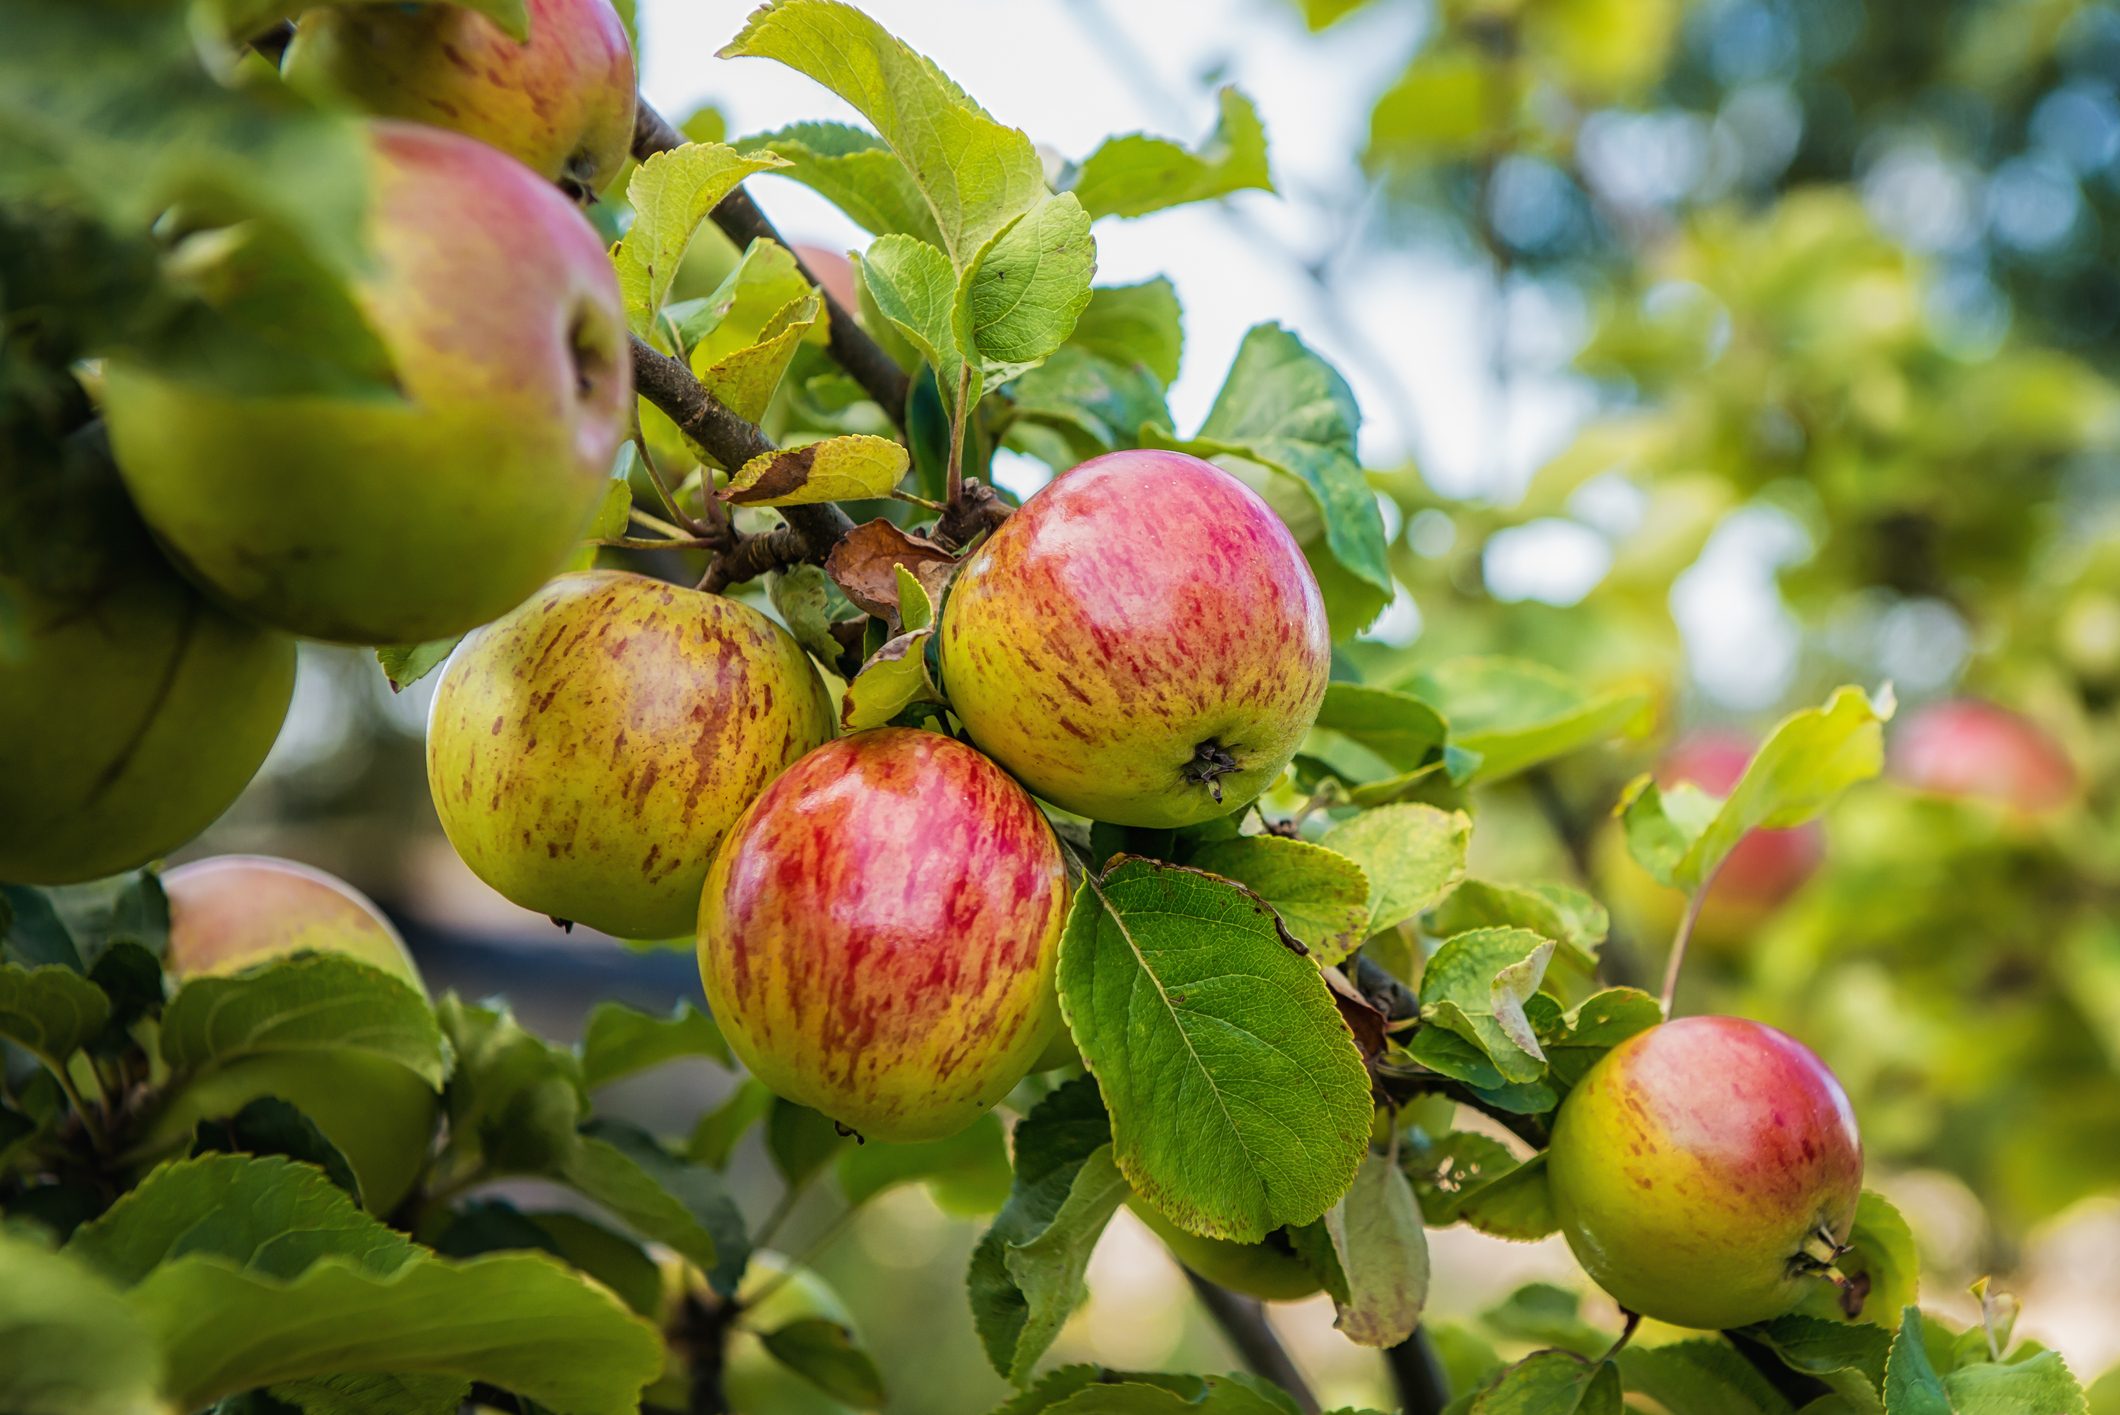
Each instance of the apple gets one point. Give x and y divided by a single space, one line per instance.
1965 747
561 102
234 912
1269 1271
408 517
1141 643
1703 1168
133 711
834 272
589 751
878 934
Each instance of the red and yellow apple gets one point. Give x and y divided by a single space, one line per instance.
561 102
878 934
133 711
234 912
1141 643
409 515
1966 747
1704 1169
589 751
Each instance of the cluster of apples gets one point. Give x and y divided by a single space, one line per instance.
438 493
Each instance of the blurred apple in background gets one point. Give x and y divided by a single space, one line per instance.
1965 747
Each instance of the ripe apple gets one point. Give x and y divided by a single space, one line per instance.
398 519
878 934
834 272
237 911
1966 747
1700 1168
588 751
1269 1271
1141 643
561 102
132 711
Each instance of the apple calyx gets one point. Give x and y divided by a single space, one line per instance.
1210 759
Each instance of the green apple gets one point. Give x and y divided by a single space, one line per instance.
1141 643
879 932
589 751
133 711
1269 1271
238 911
561 102
414 516
1704 1169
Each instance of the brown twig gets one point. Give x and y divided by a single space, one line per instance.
1417 1375
1243 1321
740 219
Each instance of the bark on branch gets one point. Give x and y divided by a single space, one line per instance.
1243 1321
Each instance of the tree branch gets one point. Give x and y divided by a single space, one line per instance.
1417 1376
1243 1321
741 220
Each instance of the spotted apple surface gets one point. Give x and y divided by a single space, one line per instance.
878 934
1141 643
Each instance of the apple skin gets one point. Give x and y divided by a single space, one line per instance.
135 711
878 934
589 751
1693 1164
1965 747
1262 1270
233 912
834 272
561 103
1141 605
387 520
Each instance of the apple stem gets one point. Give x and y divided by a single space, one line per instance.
1626 1333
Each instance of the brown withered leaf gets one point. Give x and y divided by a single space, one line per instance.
1358 1012
866 560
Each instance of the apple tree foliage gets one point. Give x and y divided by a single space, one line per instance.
1327 1021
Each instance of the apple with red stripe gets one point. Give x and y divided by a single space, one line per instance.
878 934
1705 1171
1966 747
1141 643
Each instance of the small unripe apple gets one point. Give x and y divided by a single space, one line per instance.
1703 1169
1141 643
238 911
1269 1271
562 102
878 934
132 712
589 751
407 517
1970 748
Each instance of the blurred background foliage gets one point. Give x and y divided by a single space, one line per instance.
1828 292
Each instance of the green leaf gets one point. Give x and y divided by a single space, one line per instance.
1515 1204
1026 1271
1090 404
745 379
1683 836
372 1395
1440 1049
610 1257
801 1141
1133 325
1447 1166
801 597
1320 894
1444 106
1702 1377
2038 1383
1516 714
619 1041
660 1197
1136 174
853 467
1602 1022
271 1126
1542 1314
671 194
514 1099
1019 302
854 170
1850 1356
69 1343
823 1353
1552 1383
310 1002
967 1173
1560 912
764 282
519 1321
1404 732
1476 985
1288 409
1239 1101
911 285
974 174
1413 856
270 1216
1881 1249
1382 1255
719 1130
895 677
405 664
50 1012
